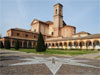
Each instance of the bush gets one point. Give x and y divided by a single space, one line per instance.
41 47
17 45
7 44
1 45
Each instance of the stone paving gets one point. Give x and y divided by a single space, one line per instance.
21 63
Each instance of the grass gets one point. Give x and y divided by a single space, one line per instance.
98 57
58 52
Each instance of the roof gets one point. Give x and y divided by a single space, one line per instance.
69 26
20 38
79 38
24 30
47 22
64 24
82 33
58 4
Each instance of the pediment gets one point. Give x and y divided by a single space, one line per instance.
34 21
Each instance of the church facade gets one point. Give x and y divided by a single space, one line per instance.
57 34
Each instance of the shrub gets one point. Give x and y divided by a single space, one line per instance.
41 47
7 44
17 45
1 45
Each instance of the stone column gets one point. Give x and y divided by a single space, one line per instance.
11 43
22 44
27 44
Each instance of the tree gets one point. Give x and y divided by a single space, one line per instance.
1 45
41 47
7 44
0 36
17 45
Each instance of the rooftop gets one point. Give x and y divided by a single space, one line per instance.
78 38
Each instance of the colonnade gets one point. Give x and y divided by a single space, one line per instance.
76 44
24 43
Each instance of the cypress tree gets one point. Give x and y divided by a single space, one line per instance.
7 44
41 47
1 45
17 45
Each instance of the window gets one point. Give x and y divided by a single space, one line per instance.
8 34
52 33
60 12
34 30
34 36
26 35
17 34
56 11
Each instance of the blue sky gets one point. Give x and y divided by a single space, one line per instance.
83 14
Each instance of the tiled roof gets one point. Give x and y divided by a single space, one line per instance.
24 30
58 4
79 38
49 22
20 38
82 33
69 26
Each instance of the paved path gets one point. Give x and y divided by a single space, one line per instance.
21 63
90 56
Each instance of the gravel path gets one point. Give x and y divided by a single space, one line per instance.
77 65
89 56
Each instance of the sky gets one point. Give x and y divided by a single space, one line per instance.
83 14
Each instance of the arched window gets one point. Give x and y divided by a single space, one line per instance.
60 12
34 30
56 11
52 33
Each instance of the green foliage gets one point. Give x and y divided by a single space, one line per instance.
41 47
59 52
1 45
17 45
0 36
7 44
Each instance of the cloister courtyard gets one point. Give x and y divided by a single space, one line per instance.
51 62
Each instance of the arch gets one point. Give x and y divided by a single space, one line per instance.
60 44
57 44
70 44
56 11
65 44
81 44
75 43
96 43
88 43
53 45
49 44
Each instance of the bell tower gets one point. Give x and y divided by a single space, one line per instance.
58 19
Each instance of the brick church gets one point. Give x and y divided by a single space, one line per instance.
57 34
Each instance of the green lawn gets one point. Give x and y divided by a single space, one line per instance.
98 57
60 52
